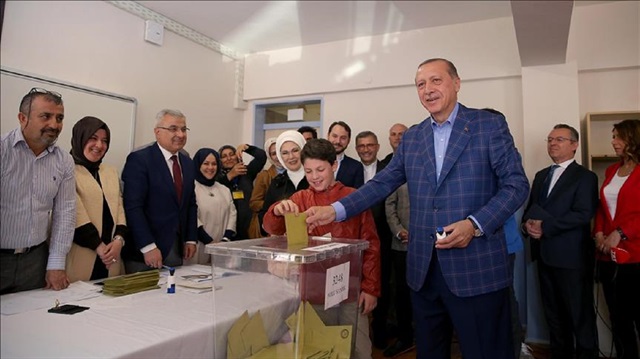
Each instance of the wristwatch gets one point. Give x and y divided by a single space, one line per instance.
478 232
623 237
120 238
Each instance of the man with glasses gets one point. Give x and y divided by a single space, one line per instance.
159 199
557 219
367 147
38 202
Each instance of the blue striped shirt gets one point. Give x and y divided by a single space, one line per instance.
38 198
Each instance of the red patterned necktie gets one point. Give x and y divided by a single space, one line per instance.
177 177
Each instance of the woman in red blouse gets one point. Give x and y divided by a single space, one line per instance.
617 235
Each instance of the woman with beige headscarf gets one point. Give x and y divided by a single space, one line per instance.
260 186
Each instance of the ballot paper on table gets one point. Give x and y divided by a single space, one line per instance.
196 283
296 228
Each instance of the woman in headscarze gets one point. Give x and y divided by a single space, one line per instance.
100 222
260 186
288 147
216 211
239 177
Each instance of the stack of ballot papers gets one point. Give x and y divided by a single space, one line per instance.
131 283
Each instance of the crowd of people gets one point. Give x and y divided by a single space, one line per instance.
439 213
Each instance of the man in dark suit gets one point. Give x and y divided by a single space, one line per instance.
159 199
563 200
349 170
367 147
395 136
463 174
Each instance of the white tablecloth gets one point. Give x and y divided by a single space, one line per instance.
151 324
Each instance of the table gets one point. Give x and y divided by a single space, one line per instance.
151 324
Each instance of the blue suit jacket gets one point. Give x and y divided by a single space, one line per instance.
151 203
482 175
350 173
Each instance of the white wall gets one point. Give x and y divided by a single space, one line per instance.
95 44
382 61
487 58
605 35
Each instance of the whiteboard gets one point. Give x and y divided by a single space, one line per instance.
117 111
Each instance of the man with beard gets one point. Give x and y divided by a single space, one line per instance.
38 198
350 172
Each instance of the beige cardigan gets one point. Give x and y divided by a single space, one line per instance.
80 260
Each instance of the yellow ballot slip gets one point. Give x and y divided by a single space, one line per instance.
246 337
312 339
296 228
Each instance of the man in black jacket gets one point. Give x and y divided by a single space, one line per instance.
563 200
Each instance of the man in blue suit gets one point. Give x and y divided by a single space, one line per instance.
350 172
463 174
159 199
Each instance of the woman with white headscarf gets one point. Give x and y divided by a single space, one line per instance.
260 186
288 147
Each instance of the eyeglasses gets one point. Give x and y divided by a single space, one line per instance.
557 139
175 129
53 96
368 146
45 92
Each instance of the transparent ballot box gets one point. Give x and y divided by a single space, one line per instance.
272 299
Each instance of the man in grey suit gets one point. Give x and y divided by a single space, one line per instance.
465 176
397 211
557 219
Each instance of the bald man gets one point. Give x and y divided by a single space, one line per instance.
395 135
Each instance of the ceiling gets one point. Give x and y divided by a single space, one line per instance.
255 26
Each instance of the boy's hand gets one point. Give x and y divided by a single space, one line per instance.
285 206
